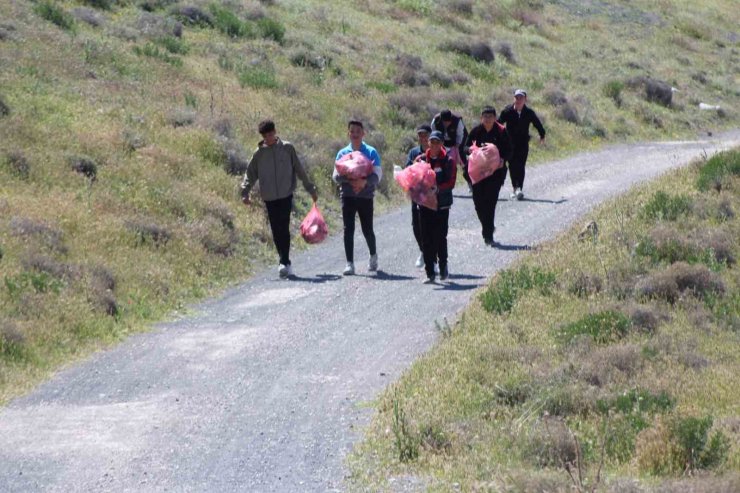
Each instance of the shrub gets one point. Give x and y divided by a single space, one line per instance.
181 117
11 341
655 451
216 238
510 285
637 401
406 441
583 285
434 439
716 171
613 90
271 29
236 160
149 233
193 16
47 265
477 50
153 5
18 165
49 236
663 206
174 45
697 279
151 50
670 246
645 317
602 366
99 4
84 166
257 77
659 286
88 16
224 128
228 23
305 58
658 92
569 113
603 327
697 449
55 14
550 444
133 140
505 50
556 97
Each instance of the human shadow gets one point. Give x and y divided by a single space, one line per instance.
467 277
385 276
517 248
453 286
525 199
319 279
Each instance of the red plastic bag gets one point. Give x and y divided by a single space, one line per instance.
483 162
313 227
354 165
420 183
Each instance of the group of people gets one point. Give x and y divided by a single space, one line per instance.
444 145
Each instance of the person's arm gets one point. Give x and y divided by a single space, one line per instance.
471 140
250 177
538 125
505 148
377 169
409 158
302 175
503 116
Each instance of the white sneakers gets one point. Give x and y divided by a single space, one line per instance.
519 194
349 269
372 264
420 261
285 271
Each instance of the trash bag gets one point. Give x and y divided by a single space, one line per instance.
313 227
483 162
354 166
420 183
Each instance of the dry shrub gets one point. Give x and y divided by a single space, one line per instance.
224 128
101 277
658 286
84 166
4 108
88 16
10 333
585 285
236 158
625 485
556 97
504 49
655 451
149 233
48 265
153 26
37 233
569 113
417 103
603 366
645 317
658 92
18 165
550 444
477 50
181 117
719 242
215 238
621 279
132 140
461 6
697 279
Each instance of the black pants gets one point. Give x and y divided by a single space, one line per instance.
518 163
278 211
416 225
364 209
485 198
434 226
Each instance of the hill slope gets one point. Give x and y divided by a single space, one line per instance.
123 126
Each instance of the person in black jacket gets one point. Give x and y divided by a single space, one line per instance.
455 135
517 118
485 192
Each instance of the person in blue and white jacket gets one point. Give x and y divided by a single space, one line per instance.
358 203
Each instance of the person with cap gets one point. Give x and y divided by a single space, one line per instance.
455 134
360 202
435 223
517 118
485 192
275 165
422 134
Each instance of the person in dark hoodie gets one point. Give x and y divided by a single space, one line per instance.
358 203
435 223
485 192
275 165
517 117
422 133
455 135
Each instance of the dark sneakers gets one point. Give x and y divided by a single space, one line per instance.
443 273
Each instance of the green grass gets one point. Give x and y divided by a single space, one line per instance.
56 15
257 78
718 169
228 23
663 206
536 374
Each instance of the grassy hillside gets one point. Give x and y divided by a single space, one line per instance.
124 126
606 360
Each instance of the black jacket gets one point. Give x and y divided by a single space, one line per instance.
518 125
450 132
497 136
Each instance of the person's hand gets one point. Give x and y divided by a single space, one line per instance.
315 196
542 141
246 201
358 184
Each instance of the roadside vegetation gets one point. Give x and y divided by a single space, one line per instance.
606 360
125 124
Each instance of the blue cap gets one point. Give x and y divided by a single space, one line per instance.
436 135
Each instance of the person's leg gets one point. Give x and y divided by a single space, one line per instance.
525 154
415 225
349 209
278 213
497 180
483 209
365 211
516 166
428 219
443 219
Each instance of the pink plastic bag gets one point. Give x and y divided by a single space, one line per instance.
420 183
313 227
354 166
483 162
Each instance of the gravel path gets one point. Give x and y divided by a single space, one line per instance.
265 389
